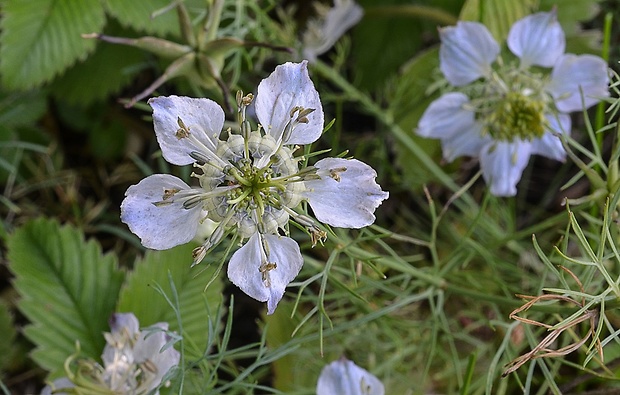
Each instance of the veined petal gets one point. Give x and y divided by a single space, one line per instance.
249 267
549 144
574 74
163 226
466 53
343 377
537 39
502 165
289 86
346 195
203 117
468 141
446 116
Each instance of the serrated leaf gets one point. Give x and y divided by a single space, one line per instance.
137 15
497 15
41 38
139 294
8 334
68 290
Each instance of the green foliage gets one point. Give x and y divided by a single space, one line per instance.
400 26
8 335
68 290
18 113
102 74
140 296
21 109
41 38
139 15
410 99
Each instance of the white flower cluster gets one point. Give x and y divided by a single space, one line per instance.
504 114
250 182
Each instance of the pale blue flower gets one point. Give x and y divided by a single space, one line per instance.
343 377
505 114
250 182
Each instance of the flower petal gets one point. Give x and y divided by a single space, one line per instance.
57 386
287 87
446 116
549 144
573 74
247 269
343 377
203 117
537 39
468 141
149 348
163 226
346 195
466 53
502 165
124 322
322 34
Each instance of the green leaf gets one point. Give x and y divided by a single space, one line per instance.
137 15
497 15
41 38
139 294
8 334
68 290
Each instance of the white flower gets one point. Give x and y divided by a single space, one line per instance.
250 182
505 114
323 32
343 377
134 361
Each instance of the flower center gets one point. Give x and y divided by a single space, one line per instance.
515 116
263 175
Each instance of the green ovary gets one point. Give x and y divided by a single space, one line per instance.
516 116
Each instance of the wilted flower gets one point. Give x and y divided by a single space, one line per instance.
343 377
505 114
134 362
331 23
250 182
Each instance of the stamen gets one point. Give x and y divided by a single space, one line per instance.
168 193
183 131
264 270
